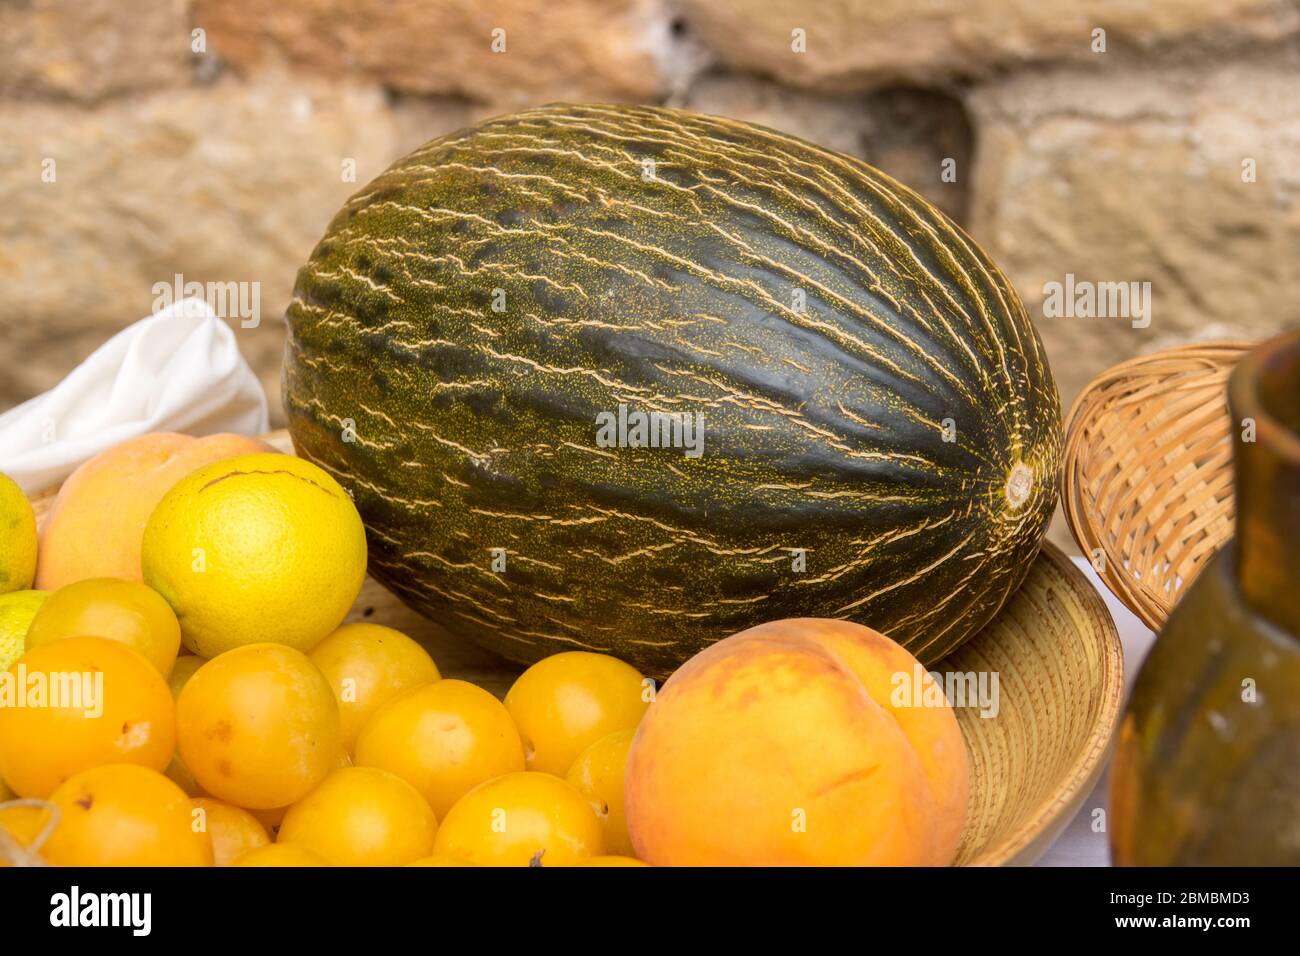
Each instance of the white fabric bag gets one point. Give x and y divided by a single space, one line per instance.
176 371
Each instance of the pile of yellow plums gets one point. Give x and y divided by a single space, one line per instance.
202 703
356 753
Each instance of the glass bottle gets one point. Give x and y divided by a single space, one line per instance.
1207 770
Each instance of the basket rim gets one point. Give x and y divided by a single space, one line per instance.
1039 829
1079 518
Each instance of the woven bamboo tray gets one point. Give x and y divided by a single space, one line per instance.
1147 481
1060 677
1060 668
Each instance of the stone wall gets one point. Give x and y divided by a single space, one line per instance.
1108 140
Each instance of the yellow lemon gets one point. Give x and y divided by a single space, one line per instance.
17 608
262 548
17 538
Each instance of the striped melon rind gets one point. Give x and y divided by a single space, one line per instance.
874 396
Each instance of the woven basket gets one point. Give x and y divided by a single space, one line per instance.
1147 482
1060 670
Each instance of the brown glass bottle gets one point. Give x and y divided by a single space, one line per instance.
1207 770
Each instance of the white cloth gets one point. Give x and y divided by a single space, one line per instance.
176 371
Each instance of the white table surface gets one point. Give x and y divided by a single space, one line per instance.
1080 844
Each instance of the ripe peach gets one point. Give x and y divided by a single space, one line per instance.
881 666
781 746
95 526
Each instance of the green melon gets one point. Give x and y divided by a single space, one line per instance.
881 431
